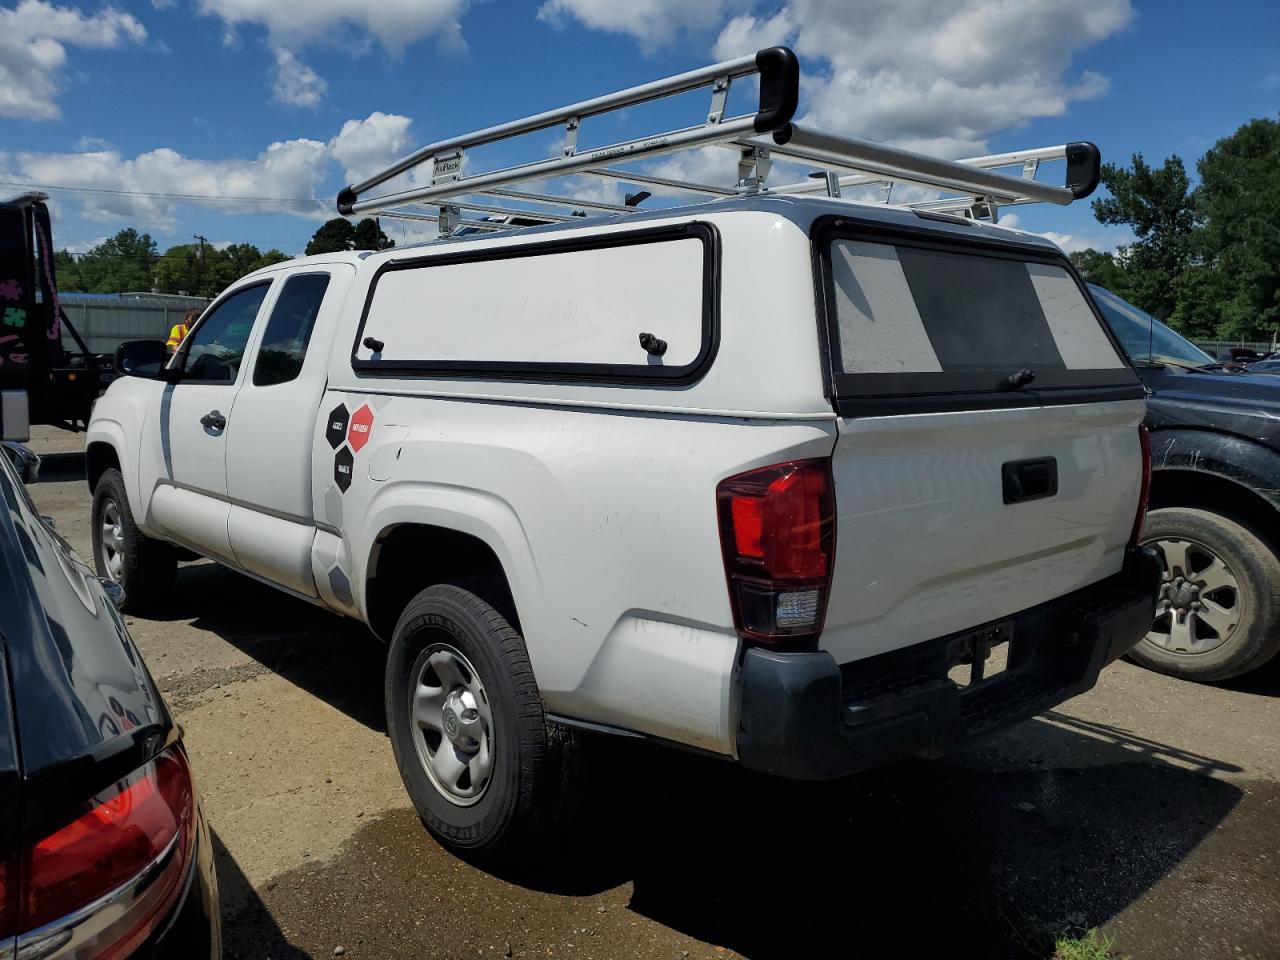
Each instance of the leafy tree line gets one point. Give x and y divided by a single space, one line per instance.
1205 259
131 261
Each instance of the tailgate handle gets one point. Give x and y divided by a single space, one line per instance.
1030 479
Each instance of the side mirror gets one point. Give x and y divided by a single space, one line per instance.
141 358
25 462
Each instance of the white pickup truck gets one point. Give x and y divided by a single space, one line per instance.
781 478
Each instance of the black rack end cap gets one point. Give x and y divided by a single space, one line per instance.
346 199
1084 168
779 88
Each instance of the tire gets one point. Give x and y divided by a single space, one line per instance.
449 644
1233 575
144 567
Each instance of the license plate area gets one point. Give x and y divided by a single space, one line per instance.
979 657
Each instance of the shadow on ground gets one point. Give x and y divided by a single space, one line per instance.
917 859
248 929
61 467
958 859
333 658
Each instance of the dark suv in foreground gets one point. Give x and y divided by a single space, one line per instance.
1215 501
104 852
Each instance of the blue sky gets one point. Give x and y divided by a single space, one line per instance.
266 106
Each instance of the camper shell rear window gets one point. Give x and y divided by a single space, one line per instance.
556 309
918 321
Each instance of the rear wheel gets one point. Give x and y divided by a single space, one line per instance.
1219 600
484 769
144 567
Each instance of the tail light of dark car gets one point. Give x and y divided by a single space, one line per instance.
1144 491
778 534
101 884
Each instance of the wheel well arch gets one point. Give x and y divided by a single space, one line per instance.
99 457
409 557
1218 494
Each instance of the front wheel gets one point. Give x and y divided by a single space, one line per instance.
482 766
146 568
1217 616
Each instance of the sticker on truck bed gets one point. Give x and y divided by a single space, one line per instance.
361 426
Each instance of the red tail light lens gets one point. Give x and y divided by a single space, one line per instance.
777 533
139 830
1144 492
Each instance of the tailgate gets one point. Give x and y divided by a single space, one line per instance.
926 545
988 458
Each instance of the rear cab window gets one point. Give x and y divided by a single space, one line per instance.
921 323
288 333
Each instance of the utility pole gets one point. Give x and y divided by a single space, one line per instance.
200 261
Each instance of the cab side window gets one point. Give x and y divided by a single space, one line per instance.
214 350
284 344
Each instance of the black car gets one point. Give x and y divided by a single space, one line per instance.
1265 366
104 851
1215 501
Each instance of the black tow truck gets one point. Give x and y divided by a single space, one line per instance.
47 373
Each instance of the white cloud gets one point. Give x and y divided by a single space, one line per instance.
291 176
1108 241
284 178
34 37
365 146
652 22
292 24
941 79
296 84
395 23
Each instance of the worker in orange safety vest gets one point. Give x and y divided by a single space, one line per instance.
180 330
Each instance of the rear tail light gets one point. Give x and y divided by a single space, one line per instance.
114 873
778 535
1144 491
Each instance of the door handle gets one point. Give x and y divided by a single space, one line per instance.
214 420
1030 479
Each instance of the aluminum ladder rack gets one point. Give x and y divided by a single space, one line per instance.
444 190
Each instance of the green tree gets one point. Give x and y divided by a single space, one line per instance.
1156 203
185 268
333 236
1236 283
68 271
121 263
1100 267
181 270
339 234
369 236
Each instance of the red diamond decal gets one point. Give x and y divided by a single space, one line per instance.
361 427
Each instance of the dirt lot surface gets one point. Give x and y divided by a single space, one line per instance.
1149 807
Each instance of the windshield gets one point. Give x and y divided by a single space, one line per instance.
1145 338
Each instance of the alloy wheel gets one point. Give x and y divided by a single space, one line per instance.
1201 605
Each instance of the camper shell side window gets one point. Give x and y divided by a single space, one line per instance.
622 307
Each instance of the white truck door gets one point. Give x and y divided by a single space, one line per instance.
272 523
183 461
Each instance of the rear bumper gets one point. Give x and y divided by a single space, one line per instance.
803 716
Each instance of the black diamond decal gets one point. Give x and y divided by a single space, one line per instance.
336 429
342 462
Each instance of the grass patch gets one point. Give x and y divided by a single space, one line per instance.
1092 946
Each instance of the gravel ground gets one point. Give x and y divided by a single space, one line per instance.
1148 807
